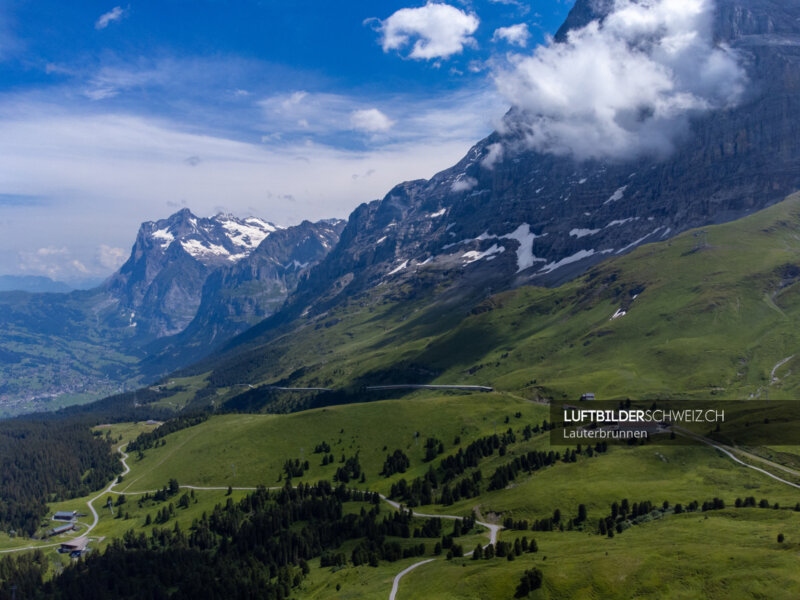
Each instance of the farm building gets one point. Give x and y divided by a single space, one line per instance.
75 547
65 515
587 396
60 529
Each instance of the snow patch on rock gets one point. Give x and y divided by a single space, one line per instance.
639 241
579 233
398 268
525 237
163 236
621 221
617 195
474 255
196 248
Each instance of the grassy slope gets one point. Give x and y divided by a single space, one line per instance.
729 554
687 556
256 446
714 314
690 556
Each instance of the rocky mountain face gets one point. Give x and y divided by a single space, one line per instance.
159 287
204 279
239 295
507 215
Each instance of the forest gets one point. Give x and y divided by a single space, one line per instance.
255 548
43 461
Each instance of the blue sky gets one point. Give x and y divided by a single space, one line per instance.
111 114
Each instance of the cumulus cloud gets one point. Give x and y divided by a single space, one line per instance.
516 35
438 31
625 86
115 14
370 120
48 260
110 257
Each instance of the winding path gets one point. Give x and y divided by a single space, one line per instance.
493 530
772 378
728 450
109 489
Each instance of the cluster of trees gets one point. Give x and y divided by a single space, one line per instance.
432 528
165 493
529 431
149 439
25 571
295 468
323 448
422 490
46 461
535 460
397 462
370 551
624 513
349 471
453 466
531 580
505 549
750 501
433 448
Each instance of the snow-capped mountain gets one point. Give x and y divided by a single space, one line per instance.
208 240
160 287
237 296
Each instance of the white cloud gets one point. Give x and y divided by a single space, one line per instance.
115 14
464 184
438 31
516 35
79 267
80 165
494 154
626 86
465 115
522 8
111 258
109 82
370 120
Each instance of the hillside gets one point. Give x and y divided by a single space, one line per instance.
575 557
709 313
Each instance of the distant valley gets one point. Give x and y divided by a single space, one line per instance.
189 281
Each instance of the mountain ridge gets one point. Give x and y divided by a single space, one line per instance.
499 220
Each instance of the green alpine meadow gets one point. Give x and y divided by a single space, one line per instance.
352 353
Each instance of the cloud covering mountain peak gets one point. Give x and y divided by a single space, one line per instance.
624 85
